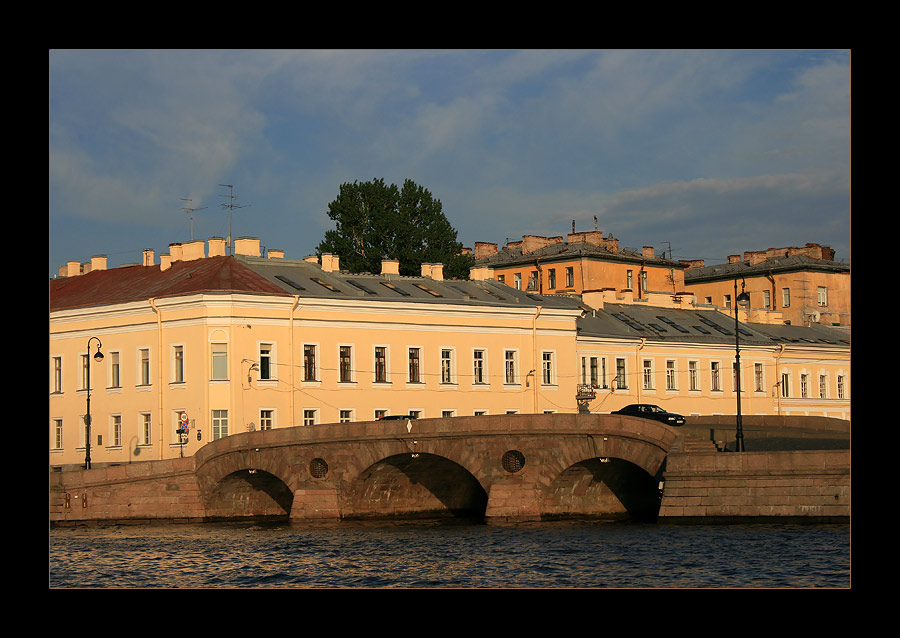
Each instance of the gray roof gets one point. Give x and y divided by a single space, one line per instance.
310 281
774 264
559 251
699 326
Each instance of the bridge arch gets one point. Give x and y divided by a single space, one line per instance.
412 484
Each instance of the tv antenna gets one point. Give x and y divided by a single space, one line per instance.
190 211
230 205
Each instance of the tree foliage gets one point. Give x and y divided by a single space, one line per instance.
375 221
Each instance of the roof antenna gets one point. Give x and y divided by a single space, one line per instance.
230 206
190 210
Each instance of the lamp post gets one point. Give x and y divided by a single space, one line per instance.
739 300
87 417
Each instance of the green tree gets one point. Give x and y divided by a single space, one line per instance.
375 221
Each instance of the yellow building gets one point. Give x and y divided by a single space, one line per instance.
203 345
585 262
804 284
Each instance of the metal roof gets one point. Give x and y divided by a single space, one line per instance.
774 264
560 251
699 326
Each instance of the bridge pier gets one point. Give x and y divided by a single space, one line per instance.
315 503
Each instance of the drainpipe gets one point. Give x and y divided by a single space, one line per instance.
637 366
291 341
778 376
159 365
534 358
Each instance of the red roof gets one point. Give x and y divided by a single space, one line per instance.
137 283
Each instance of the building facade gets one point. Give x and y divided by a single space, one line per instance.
204 345
804 284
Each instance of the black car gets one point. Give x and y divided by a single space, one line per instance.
396 417
648 411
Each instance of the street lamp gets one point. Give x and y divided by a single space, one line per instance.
740 300
87 417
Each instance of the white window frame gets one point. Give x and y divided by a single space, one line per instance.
272 418
352 365
316 370
174 364
273 362
480 376
515 381
548 368
448 373
219 424
310 416
671 375
216 356
387 364
144 379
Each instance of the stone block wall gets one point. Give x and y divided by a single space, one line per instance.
794 485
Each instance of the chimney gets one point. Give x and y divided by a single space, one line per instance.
193 250
165 261
247 246
330 263
390 267
734 259
216 246
73 268
434 271
175 252
275 253
311 259
148 257
98 262
649 252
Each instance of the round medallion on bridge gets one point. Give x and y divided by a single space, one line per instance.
513 461
318 468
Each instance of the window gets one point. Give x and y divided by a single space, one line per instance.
346 416
114 370
266 419
219 424
85 362
758 382
517 278
533 280
219 361
57 434
266 362
728 301
309 417
177 364
714 376
144 359
547 375
804 386
146 429
595 380
446 365
478 367
648 374
57 374
510 366
671 383
840 386
551 278
446 414
767 299
693 375
823 386
644 281
620 373
379 414
501 278
116 430
346 369
822 296
785 385
414 365
309 362
785 297
380 364
415 414
570 276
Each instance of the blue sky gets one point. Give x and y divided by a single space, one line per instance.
708 153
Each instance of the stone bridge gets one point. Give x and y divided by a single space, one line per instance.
522 467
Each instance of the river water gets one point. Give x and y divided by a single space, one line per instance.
450 554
